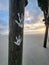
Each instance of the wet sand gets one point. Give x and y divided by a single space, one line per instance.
33 51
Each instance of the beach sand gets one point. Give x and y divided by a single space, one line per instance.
33 51
3 50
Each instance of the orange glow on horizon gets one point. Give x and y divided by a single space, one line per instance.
42 30
37 31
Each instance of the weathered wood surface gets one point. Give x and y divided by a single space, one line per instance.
47 25
44 5
46 36
16 18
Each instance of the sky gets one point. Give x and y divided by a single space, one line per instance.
4 16
33 18
33 23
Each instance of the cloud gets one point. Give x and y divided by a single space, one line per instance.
29 18
3 29
33 23
34 28
34 31
4 16
4 32
32 17
1 26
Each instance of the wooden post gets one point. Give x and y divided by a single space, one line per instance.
16 18
47 25
45 39
48 8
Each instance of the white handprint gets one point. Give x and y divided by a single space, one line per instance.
21 18
18 40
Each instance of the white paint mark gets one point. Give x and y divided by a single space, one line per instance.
19 24
18 40
21 18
